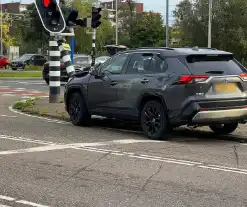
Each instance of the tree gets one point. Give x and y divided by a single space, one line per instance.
8 39
229 24
149 30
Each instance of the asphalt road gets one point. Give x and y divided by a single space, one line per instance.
45 162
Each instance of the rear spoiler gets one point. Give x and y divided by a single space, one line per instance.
114 49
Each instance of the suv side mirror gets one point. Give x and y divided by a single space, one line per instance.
96 73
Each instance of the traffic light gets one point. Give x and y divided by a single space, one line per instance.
73 21
51 15
96 17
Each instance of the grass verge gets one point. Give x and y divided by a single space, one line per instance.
31 107
21 74
33 68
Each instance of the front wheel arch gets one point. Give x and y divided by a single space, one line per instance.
70 92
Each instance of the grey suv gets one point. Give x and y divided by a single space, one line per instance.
163 88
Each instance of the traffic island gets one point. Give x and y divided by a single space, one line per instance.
42 107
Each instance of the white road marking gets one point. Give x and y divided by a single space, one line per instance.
30 203
115 142
35 149
21 139
43 118
91 148
7 94
3 115
7 198
222 169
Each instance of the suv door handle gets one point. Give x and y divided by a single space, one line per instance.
113 83
144 81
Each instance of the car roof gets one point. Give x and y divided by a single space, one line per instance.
178 51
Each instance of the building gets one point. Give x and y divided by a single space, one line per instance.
110 6
15 7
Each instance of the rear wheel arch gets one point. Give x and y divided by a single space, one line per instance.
146 97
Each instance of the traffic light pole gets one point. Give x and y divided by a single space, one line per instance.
54 72
56 51
93 46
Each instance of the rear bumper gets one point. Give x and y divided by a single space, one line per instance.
220 115
221 111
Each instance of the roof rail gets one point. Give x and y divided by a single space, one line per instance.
166 48
196 47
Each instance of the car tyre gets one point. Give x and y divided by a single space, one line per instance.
154 120
224 128
78 112
14 68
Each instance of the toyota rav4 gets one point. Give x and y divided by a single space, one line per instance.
163 88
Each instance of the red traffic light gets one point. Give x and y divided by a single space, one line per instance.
46 3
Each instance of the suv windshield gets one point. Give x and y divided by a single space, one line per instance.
25 57
82 61
214 64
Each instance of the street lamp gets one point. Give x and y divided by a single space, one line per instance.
167 23
210 3
116 22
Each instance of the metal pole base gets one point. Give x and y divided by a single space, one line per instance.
54 98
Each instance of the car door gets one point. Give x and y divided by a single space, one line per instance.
146 73
102 91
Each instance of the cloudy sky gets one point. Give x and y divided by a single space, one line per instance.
160 6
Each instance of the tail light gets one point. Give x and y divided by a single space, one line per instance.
244 76
185 79
62 65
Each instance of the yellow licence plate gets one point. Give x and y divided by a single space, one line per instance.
225 87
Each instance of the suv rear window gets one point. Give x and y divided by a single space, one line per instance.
214 64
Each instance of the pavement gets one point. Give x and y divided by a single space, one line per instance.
47 162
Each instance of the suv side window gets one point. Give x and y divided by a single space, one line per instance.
146 63
116 64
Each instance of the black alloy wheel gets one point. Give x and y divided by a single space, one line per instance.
224 128
154 120
77 110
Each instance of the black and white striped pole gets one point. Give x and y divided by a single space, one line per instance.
66 58
93 46
54 72
95 24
